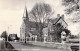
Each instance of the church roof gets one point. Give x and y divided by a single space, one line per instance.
34 32
25 14
34 24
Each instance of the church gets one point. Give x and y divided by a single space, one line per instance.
28 31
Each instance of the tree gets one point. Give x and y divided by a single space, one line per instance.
67 32
40 12
4 35
58 30
72 9
73 5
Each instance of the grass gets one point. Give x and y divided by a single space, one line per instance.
5 46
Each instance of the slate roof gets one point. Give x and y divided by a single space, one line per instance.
54 21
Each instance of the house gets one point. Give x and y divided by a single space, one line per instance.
54 25
13 37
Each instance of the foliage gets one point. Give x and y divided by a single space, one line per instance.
67 32
40 12
72 8
4 35
58 30
73 5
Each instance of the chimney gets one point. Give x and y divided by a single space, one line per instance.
58 15
62 16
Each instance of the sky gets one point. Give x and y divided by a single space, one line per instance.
11 13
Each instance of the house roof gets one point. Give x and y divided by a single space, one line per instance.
12 34
32 24
54 21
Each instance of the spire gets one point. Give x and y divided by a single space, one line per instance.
25 12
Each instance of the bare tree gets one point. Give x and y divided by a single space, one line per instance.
40 13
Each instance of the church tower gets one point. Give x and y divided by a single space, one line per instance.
25 15
25 24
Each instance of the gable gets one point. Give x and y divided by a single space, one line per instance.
57 20
62 22
53 21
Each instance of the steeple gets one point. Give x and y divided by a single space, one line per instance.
25 14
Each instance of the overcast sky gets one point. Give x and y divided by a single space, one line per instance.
11 12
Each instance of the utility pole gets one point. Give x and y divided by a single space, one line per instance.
7 33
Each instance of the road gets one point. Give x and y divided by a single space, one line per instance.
27 47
